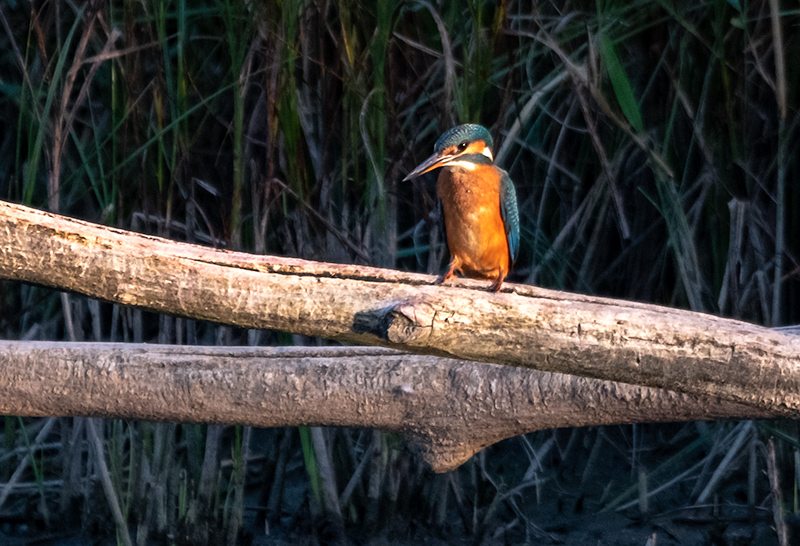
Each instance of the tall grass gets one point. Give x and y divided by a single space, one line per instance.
652 143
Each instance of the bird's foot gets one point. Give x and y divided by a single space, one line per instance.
449 274
497 284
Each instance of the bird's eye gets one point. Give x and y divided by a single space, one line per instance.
463 145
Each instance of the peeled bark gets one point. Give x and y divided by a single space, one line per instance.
449 408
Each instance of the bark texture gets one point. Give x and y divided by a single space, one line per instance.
521 326
449 408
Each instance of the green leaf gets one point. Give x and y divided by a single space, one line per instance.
621 84
736 5
311 463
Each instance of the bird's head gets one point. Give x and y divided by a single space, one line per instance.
463 146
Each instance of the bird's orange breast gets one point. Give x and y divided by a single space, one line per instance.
475 230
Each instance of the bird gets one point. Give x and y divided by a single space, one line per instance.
478 202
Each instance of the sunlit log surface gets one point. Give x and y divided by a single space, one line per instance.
522 325
449 408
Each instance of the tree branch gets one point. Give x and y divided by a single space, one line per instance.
449 408
522 325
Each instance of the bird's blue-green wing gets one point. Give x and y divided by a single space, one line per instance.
510 213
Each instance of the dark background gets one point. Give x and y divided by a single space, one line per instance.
653 145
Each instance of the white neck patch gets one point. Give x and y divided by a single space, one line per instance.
466 165
488 153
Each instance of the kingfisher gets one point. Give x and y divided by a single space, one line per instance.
478 202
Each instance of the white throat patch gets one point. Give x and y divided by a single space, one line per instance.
466 165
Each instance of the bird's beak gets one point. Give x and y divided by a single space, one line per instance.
429 164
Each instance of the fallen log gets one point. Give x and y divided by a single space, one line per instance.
448 408
523 326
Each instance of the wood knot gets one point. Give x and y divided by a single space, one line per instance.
407 322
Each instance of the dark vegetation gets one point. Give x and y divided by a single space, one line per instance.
651 142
